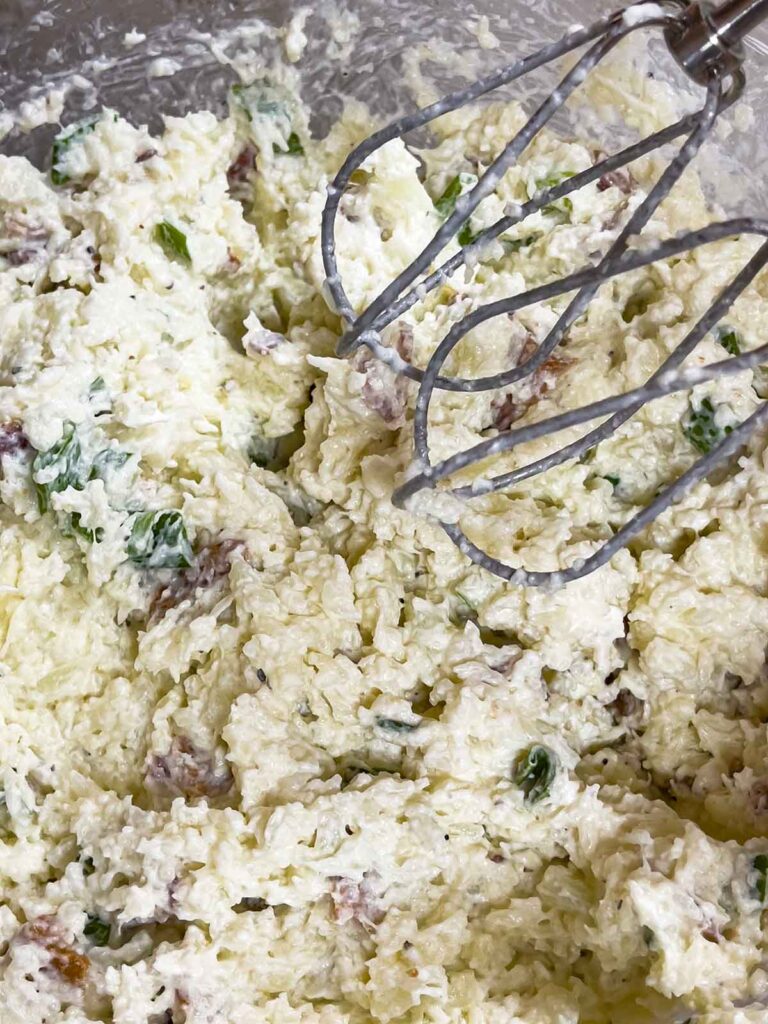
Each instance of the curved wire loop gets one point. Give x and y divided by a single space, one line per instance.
403 292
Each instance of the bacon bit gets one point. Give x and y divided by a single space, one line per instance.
13 439
239 172
233 262
758 796
711 933
32 236
188 771
626 706
259 340
147 154
507 663
212 564
509 408
620 179
383 392
356 901
64 960
18 226
20 257
496 858
403 341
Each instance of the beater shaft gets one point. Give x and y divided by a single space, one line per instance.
711 37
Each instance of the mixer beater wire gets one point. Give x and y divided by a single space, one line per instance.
706 43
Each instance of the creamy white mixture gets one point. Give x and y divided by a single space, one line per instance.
272 750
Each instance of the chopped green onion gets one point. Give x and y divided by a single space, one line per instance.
562 208
535 773
159 540
96 930
72 527
446 204
700 426
265 101
516 244
261 99
107 461
172 241
730 339
68 137
60 467
394 725
552 180
467 236
294 147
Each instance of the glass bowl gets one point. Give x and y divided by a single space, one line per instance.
104 52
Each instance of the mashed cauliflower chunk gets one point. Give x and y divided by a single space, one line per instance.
273 751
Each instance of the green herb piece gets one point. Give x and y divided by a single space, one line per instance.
294 147
552 180
261 99
96 930
700 426
394 725
516 244
107 461
60 467
88 866
446 204
614 481
467 236
562 208
536 772
172 241
64 141
730 339
72 527
760 864
97 385
159 540
264 101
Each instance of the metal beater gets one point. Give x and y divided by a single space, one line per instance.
707 43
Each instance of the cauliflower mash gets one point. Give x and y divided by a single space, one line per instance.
273 751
